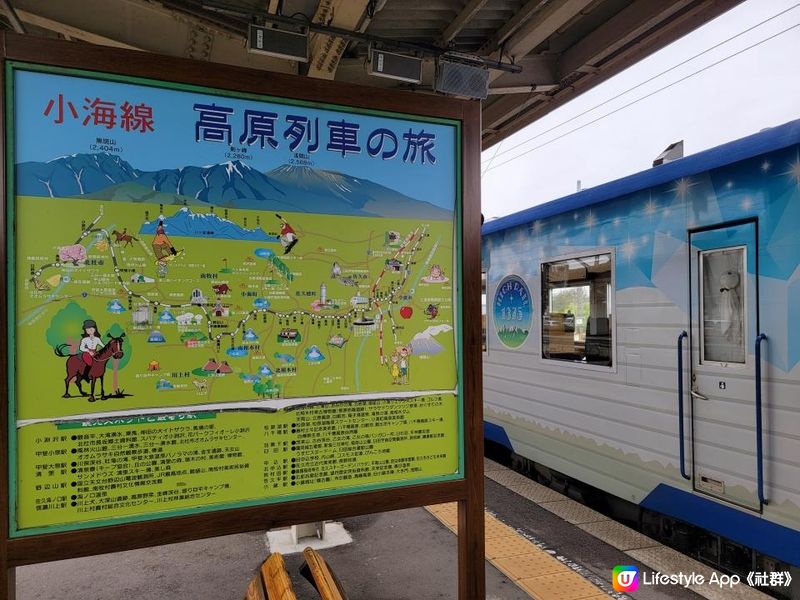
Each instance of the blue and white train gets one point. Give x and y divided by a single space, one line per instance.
642 349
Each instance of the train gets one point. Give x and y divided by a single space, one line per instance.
641 350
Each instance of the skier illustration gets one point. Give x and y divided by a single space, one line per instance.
287 236
162 247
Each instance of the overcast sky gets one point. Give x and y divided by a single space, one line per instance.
756 89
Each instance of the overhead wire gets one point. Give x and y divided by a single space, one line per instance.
500 145
645 82
653 93
489 162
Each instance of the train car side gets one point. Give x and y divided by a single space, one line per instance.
583 378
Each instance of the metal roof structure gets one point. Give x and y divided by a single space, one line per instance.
561 48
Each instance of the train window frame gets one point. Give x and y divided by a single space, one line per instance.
701 306
611 302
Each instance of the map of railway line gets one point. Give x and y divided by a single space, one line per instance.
210 309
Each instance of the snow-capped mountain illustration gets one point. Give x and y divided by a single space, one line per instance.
424 342
318 189
185 223
72 175
232 184
228 184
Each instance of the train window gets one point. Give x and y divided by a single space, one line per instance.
723 306
577 310
484 343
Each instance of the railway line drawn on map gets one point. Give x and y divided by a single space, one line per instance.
371 312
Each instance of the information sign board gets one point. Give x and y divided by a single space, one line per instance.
235 300
222 299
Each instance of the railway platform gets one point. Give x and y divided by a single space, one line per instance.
539 544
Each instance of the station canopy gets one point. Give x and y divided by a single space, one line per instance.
539 53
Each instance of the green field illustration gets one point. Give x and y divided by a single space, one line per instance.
189 305
513 338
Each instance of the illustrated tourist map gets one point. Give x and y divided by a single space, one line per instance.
223 301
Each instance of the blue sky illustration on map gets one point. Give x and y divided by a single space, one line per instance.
173 145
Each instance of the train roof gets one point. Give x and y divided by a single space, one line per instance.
746 147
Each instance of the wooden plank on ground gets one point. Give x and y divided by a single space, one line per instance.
276 579
255 591
324 579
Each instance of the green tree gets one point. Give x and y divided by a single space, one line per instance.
67 326
120 363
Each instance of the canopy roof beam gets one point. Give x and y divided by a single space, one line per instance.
148 26
538 28
505 117
464 17
325 50
70 31
626 26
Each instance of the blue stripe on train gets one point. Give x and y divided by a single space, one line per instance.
495 433
747 529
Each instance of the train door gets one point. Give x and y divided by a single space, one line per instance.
724 322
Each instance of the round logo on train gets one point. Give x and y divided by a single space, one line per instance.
512 311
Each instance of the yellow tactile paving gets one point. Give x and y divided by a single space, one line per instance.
531 568
495 529
633 543
558 586
529 565
448 518
510 545
436 508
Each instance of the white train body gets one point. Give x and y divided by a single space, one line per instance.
583 377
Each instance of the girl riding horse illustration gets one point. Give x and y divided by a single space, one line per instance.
90 363
90 342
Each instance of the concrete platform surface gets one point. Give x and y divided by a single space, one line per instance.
403 555
542 545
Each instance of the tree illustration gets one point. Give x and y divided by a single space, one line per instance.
66 327
116 330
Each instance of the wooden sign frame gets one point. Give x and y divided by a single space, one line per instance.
468 492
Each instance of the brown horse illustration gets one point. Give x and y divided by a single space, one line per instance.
123 237
76 366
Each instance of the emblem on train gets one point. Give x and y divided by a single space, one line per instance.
512 311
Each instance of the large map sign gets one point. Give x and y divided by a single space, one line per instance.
224 300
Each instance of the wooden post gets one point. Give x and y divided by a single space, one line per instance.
471 535
7 579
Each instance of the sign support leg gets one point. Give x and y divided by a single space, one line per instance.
471 534
8 582
471 568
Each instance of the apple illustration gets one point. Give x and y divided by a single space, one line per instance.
406 312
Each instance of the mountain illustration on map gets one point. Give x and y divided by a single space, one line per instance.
185 223
232 184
